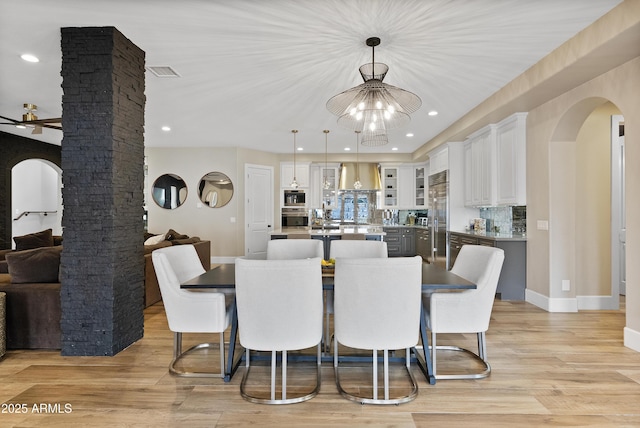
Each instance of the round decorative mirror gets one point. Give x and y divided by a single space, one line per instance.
215 189
169 191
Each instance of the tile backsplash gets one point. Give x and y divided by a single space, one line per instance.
506 219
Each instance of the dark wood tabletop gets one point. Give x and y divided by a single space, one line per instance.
433 278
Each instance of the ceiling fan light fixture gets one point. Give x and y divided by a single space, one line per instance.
374 106
29 58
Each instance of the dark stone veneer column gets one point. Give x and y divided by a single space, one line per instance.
102 161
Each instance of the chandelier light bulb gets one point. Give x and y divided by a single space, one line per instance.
374 100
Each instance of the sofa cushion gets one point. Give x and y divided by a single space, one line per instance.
34 240
172 234
154 240
35 265
149 248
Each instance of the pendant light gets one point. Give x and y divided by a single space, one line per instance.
294 184
326 185
373 106
357 185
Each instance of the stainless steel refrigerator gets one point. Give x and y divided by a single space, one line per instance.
439 217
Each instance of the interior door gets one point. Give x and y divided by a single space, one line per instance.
618 217
258 209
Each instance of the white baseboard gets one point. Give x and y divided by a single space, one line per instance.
551 305
632 339
598 303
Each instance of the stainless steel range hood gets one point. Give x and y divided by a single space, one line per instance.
369 176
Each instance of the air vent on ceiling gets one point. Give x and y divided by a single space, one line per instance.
163 71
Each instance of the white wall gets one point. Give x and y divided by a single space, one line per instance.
193 218
36 186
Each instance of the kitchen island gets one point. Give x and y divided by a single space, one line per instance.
513 277
369 232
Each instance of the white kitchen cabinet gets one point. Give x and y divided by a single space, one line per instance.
511 173
495 164
389 186
479 171
420 186
406 187
438 160
468 174
302 174
317 193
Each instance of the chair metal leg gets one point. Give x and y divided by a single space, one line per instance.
375 400
179 355
272 398
480 357
375 373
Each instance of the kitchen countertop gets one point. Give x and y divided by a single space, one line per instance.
343 230
503 236
377 229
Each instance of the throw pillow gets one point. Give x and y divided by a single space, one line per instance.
154 240
35 265
34 240
172 234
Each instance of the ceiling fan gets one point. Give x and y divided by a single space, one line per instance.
30 120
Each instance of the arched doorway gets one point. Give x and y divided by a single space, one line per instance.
36 197
580 206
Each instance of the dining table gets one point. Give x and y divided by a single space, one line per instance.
434 278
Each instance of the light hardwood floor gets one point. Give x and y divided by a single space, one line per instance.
549 369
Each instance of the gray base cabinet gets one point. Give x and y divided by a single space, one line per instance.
401 241
423 243
513 277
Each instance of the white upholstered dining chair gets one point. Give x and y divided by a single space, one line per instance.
377 307
189 311
290 249
351 248
279 305
467 311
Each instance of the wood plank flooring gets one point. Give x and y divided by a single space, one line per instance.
549 369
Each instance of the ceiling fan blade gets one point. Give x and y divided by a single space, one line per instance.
52 123
11 121
57 126
44 121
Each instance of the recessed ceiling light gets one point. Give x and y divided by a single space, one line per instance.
395 149
166 128
410 134
29 58
21 127
433 113
300 149
346 149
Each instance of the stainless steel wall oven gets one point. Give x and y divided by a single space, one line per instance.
295 217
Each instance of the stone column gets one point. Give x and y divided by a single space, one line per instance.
102 266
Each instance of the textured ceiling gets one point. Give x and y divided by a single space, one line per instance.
253 70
